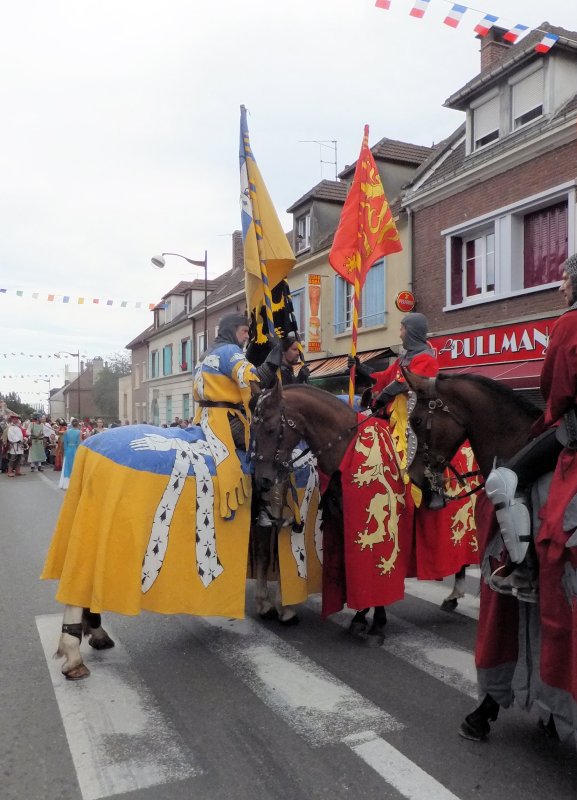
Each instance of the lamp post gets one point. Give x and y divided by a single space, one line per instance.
159 262
75 355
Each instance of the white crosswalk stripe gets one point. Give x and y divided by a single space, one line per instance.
121 741
119 738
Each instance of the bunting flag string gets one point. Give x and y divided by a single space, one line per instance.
35 377
80 301
457 12
48 355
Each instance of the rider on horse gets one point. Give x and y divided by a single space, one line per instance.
418 357
222 382
507 486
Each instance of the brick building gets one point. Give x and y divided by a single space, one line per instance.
492 213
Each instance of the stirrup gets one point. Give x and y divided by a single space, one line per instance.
501 585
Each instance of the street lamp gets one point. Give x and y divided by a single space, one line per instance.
75 355
159 262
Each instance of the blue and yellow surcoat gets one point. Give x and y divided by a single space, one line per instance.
224 376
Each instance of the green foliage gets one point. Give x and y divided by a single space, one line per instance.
15 404
120 364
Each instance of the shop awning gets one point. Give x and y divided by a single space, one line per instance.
337 365
518 375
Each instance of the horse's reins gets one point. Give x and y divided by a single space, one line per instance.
430 460
329 445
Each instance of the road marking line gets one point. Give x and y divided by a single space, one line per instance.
119 738
398 771
51 484
312 701
435 592
448 663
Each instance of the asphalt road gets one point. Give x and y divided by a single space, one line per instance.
217 709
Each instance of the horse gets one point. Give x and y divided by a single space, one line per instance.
283 417
497 423
141 527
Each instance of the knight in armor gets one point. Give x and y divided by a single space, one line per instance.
508 486
418 356
222 391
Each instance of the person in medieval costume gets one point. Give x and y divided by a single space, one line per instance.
508 486
37 452
13 438
72 440
60 430
290 358
418 357
222 391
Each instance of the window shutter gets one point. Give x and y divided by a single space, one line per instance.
456 270
486 119
527 95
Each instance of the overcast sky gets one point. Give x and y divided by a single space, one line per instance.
120 137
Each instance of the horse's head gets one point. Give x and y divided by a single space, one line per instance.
439 430
274 435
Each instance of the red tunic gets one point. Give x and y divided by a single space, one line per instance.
558 563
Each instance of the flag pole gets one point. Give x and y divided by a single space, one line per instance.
259 236
357 284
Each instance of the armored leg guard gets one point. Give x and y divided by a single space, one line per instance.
512 513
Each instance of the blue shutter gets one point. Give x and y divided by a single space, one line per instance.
373 311
339 311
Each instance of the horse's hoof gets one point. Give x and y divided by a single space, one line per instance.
290 621
77 673
101 642
449 605
358 629
272 613
549 728
474 731
374 640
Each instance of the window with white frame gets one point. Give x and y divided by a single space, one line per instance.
373 296
486 123
200 344
298 300
527 99
185 358
522 248
303 232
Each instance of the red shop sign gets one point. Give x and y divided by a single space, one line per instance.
405 301
524 341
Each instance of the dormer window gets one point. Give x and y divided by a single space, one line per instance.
527 99
486 123
303 232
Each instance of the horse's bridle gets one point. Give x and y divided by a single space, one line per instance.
434 463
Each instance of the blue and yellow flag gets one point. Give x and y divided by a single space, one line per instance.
265 243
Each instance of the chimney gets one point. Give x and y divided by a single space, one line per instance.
237 250
494 49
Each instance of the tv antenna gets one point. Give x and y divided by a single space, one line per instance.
327 144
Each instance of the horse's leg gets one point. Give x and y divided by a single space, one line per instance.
286 614
376 633
476 726
92 627
450 602
69 645
359 624
262 541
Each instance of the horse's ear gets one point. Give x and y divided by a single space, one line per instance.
255 391
417 383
